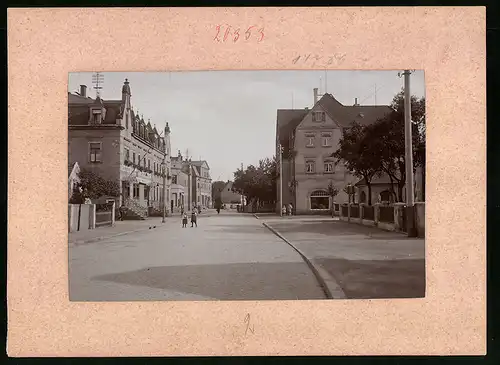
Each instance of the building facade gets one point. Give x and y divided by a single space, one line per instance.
201 184
180 184
308 138
108 138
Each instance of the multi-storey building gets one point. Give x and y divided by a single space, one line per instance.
108 138
308 138
180 183
202 184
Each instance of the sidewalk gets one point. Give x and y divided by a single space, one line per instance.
357 261
120 228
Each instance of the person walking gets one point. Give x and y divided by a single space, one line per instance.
184 220
193 218
122 211
290 209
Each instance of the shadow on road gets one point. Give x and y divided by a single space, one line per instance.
261 281
368 279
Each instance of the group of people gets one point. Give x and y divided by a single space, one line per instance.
194 216
287 209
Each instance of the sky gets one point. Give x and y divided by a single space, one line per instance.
229 117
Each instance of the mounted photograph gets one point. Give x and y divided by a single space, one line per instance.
246 185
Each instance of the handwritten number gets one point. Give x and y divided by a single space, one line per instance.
227 32
295 60
248 33
217 35
247 321
261 31
236 35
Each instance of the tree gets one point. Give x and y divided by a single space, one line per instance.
217 187
94 186
388 139
257 183
358 152
332 192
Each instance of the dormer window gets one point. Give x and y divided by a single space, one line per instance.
318 116
96 117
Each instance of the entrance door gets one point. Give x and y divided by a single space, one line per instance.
171 206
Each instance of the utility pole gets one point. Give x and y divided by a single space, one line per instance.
281 180
410 212
164 163
242 198
190 189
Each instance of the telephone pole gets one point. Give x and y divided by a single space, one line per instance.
281 180
410 204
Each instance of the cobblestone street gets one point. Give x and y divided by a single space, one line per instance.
227 257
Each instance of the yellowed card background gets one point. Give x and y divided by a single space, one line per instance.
44 45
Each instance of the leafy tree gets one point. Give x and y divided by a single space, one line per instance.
357 151
94 186
257 183
218 203
388 139
217 187
332 192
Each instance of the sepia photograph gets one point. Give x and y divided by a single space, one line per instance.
246 185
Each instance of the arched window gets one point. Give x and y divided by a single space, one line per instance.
319 200
362 197
385 196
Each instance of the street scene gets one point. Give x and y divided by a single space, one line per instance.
246 185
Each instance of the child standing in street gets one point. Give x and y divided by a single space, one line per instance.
184 220
193 218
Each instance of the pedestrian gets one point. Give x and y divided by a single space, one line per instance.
218 210
290 209
122 211
193 218
184 220
283 210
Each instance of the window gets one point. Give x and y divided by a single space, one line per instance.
328 167
139 160
174 179
319 200
326 140
318 116
126 120
149 164
310 141
127 154
133 158
310 167
136 190
96 116
95 151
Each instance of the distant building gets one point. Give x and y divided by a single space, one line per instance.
108 138
228 196
180 183
202 184
309 138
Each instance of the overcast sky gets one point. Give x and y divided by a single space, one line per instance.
229 117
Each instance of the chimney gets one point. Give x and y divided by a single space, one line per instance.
83 90
356 102
315 91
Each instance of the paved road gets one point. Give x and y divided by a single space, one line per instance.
227 257
366 262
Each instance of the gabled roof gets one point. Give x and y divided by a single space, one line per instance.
200 163
79 109
345 115
287 121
